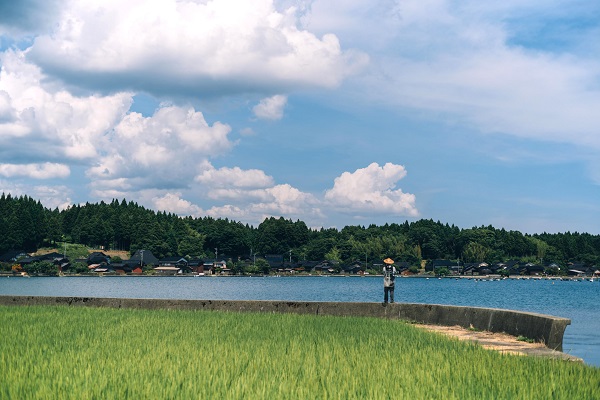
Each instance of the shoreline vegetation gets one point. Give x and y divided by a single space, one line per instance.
60 352
279 243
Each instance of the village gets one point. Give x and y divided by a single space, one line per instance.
143 262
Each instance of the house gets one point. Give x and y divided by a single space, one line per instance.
144 257
477 268
306 266
13 255
180 263
354 268
29 260
326 267
578 269
196 265
168 270
101 268
516 268
98 257
55 258
127 267
534 269
226 271
484 269
402 267
436 264
275 260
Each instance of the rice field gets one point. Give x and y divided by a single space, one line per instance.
100 353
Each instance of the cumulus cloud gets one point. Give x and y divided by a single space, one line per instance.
189 47
271 107
40 122
370 191
279 200
35 171
234 177
162 151
173 203
251 195
55 196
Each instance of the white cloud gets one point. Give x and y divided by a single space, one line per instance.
369 191
271 107
252 195
173 203
35 171
55 196
43 121
161 151
190 48
541 97
478 75
487 65
279 200
247 132
234 178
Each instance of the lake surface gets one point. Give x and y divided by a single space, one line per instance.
577 300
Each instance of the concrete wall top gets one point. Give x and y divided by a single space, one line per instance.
542 328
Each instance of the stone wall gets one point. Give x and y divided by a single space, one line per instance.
542 328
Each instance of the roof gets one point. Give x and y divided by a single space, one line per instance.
53 254
12 255
173 259
146 256
95 256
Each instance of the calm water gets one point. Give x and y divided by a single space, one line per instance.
577 300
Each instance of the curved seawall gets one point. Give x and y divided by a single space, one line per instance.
542 328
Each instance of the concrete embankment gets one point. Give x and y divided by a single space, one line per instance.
541 328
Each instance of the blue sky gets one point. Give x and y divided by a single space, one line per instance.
332 112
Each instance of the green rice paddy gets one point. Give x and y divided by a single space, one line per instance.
100 353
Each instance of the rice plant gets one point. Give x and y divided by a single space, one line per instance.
89 353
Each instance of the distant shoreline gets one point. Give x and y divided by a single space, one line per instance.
475 278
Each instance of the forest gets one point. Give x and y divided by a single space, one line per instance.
25 224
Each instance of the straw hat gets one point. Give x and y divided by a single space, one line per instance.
388 261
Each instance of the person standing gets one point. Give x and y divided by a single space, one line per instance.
389 279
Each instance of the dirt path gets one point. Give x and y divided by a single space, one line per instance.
501 342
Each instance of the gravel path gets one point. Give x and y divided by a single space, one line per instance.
501 342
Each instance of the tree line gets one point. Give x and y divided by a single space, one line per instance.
25 224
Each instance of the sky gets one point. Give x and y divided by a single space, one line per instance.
333 112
